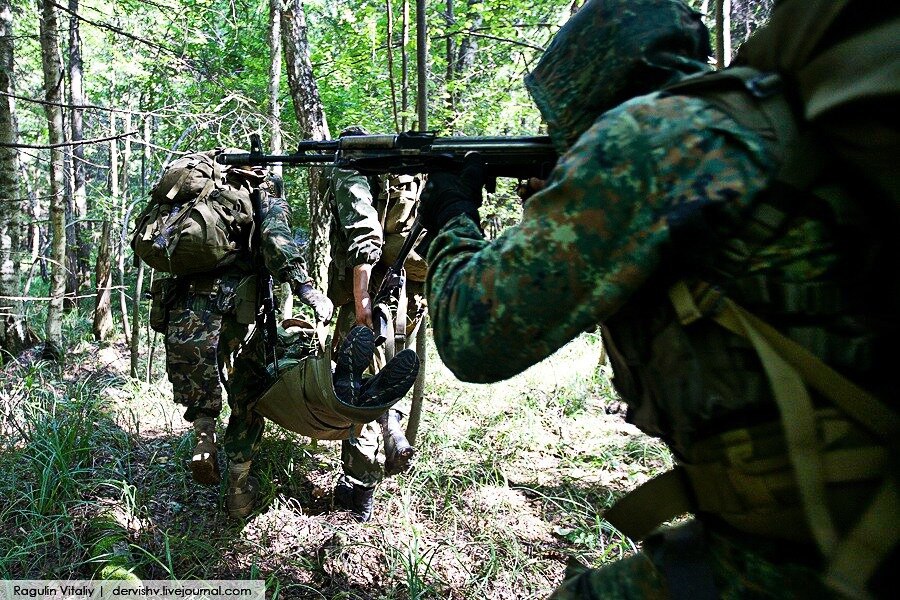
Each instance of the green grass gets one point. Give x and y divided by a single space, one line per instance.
510 482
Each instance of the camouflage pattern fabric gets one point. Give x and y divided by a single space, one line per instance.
643 195
610 52
591 239
205 344
357 238
191 341
731 572
242 360
356 234
281 255
361 457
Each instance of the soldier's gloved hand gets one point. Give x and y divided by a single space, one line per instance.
315 299
447 195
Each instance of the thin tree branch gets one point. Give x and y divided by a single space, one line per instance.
117 30
63 144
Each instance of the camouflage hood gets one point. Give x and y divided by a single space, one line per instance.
609 52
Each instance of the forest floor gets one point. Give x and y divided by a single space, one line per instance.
509 484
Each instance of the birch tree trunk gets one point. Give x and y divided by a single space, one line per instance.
53 82
404 66
723 33
311 118
81 248
103 321
421 66
275 79
12 322
390 61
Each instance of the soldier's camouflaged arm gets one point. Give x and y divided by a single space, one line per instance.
358 217
281 254
590 239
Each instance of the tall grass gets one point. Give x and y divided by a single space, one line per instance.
509 484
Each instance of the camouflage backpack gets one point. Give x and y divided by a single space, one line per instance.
396 205
199 216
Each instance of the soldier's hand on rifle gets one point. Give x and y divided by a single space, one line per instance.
528 188
315 299
447 195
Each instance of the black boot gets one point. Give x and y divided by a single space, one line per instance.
358 499
392 382
398 452
352 359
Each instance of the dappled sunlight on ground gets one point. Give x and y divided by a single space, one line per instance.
509 483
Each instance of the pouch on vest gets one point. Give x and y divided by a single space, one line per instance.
302 400
245 302
161 294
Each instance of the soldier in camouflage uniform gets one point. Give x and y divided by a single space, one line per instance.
357 267
210 338
668 220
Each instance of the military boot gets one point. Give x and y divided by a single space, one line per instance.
392 382
358 499
242 490
352 359
398 452
204 465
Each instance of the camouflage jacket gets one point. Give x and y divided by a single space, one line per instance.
356 234
281 254
598 233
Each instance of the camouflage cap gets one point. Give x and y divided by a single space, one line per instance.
611 51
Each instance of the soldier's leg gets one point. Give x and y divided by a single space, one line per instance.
192 337
242 357
363 470
243 365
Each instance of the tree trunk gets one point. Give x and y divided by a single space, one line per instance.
76 125
404 66
135 346
313 125
103 321
421 66
389 34
53 82
723 33
275 79
12 322
451 60
119 200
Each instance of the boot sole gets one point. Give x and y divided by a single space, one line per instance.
206 471
401 462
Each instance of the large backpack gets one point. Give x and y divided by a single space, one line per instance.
199 216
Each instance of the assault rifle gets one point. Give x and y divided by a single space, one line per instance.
415 152
411 153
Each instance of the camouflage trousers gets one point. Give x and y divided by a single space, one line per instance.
363 457
205 347
687 562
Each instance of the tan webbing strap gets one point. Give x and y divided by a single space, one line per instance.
797 416
862 550
855 402
644 509
173 191
400 321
